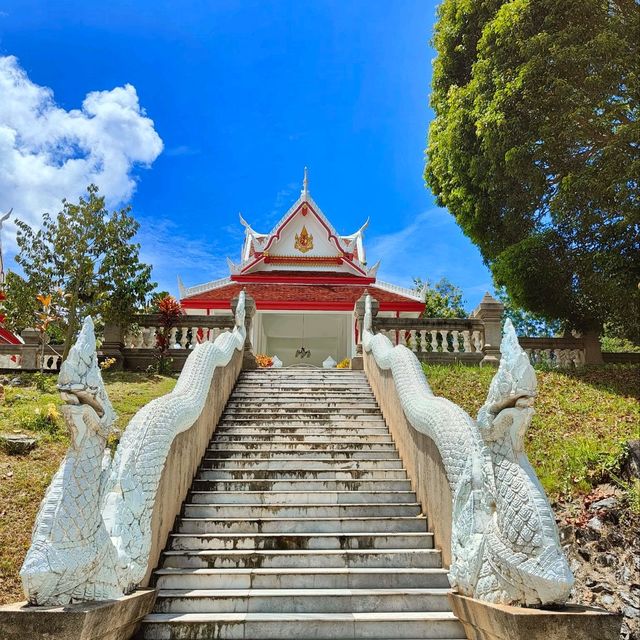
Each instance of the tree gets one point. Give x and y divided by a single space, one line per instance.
535 149
442 299
88 254
526 323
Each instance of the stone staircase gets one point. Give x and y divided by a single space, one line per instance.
301 523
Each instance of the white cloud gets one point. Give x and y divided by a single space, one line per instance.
48 153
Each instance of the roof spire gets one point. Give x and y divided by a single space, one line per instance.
305 184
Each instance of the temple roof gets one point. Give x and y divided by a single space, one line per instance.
304 239
318 296
303 263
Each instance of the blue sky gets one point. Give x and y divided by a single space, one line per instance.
241 95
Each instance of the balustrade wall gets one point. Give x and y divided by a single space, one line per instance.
436 339
463 340
139 343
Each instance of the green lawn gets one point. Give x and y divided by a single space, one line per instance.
23 479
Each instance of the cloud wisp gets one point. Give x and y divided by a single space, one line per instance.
435 245
48 153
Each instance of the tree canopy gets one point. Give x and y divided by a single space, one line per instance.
443 299
535 149
88 255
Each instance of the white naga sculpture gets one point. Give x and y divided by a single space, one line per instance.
92 536
505 543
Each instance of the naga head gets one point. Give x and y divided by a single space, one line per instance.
513 387
81 387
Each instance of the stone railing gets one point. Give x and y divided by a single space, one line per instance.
186 334
472 478
436 339
104 520
565 353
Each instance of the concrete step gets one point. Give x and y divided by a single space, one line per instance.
301 578
371 524
260 431
344 455
301 395
301 485
350 435
299 497
299 463
294 558
325 446
328 419
303 626
252 511
309 541
308 600
311 473
318 408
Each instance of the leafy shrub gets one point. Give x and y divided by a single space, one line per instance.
45 420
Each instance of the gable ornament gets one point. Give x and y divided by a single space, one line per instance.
303 241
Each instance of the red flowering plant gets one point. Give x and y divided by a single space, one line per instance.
169 310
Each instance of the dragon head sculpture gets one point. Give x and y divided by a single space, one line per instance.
513 387
81 387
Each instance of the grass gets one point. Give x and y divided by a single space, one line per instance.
24 479
583 420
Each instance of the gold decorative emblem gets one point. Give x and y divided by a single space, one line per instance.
304 241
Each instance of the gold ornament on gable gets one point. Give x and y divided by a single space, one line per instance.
304 241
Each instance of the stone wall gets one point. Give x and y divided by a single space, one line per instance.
419 455
184 457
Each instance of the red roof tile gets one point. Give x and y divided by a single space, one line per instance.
302 296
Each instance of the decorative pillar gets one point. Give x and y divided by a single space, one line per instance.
113 345
490 312
248 356
31 350
356 361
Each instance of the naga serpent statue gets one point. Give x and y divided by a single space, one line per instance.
505 543
92 535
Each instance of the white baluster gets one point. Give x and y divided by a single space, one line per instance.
466 340
194 337
434 340
477 340
456 345
423 341
172 336
149 337
183 337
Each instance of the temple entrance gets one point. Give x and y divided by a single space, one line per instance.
282 334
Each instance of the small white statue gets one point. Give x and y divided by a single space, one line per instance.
329 363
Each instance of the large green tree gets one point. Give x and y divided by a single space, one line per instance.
535 149
86 253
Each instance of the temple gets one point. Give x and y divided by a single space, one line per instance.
305 279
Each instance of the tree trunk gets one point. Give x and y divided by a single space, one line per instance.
72 325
